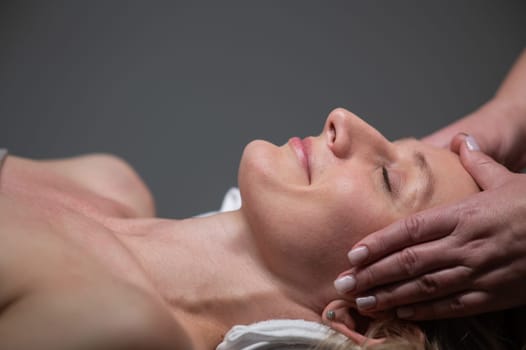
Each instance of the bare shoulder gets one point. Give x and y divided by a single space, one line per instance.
55 294
109 176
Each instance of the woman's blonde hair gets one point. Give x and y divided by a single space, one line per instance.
503 330
399 335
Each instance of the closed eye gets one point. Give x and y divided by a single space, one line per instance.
387 181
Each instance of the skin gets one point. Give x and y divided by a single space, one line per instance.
76 245
346 175
488 274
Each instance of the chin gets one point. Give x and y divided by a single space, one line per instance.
255 166
255 171
281 212
264 188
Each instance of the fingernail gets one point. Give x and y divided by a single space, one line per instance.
471 143
345 284
365 303
404 312
358 255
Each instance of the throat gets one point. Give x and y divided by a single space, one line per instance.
208 274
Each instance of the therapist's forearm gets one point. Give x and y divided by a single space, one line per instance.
513 88
499 125
512 95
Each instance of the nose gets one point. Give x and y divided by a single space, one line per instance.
347 135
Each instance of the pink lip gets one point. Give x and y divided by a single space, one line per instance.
302 149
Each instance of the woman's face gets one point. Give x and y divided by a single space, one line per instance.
310 200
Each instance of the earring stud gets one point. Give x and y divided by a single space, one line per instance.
331 315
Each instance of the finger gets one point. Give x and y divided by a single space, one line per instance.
405 265
484 170
459 305
457 141
431 286
442 138
460 138
417 228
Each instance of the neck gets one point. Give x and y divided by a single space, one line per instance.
208 272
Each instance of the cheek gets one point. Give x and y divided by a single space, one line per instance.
334 218
359 209
299 228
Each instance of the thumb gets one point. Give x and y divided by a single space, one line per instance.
486 172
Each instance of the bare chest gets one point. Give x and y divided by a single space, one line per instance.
43 240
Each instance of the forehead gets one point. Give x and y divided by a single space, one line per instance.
452 181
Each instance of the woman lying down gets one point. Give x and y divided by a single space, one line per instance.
84 264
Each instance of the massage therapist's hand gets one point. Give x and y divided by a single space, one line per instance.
467 258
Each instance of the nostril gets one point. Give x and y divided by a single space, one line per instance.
332 133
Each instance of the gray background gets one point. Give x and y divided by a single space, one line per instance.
178 88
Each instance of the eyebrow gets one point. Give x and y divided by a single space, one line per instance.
427 175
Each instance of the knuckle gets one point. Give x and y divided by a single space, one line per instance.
412 227
367 278
427 285
475 256
386 299
466 273
378 245
484 163
407 260
468 215
456 305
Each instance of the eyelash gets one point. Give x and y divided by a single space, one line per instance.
387 181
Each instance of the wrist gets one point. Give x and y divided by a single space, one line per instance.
512 129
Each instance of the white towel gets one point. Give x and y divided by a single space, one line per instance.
278 334
231 201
